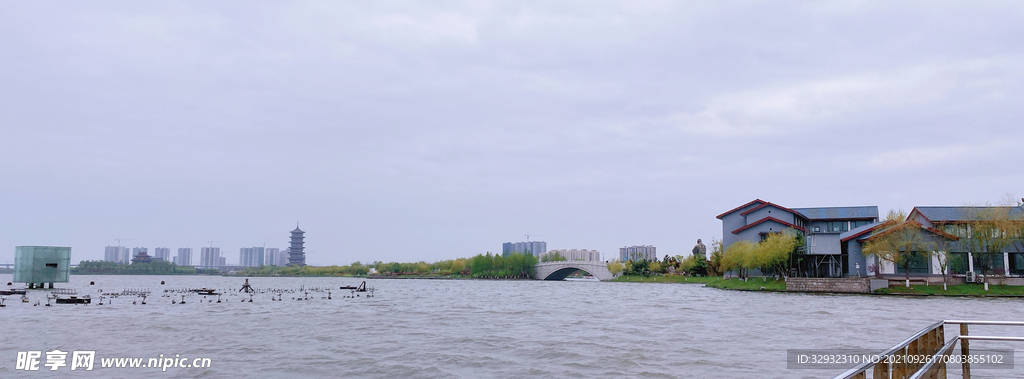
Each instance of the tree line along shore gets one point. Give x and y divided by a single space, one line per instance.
481 266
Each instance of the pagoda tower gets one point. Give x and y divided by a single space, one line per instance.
296 257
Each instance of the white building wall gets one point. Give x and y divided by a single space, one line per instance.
887 267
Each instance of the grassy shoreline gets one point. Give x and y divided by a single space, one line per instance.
753 284
773 285
667 279
971 290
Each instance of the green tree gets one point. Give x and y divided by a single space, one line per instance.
516 265
899 241
638 267
552 256
357 268
693 265
715 258
150 268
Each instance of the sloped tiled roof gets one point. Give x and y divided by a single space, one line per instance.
839 213
762 204
756 201
750 225
858 231
770 204
906 224
962 214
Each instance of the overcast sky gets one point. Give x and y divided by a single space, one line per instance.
428 130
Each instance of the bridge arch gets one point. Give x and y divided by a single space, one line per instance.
563 273
560 270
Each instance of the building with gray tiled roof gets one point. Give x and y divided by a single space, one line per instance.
821 227
834 237
958 222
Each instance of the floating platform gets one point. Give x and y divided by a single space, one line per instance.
74 300
360 288
206 292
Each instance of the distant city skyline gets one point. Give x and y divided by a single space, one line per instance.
184 254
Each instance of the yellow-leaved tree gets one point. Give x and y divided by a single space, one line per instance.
738 258
773 253
615 267
654 267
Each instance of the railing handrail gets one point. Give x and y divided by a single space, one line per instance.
990 338
981 322
864 365
948 347
900 346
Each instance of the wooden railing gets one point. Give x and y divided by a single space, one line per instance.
928 342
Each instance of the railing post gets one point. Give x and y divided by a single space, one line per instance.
965 350
899 370
914 349
940 368
881 370
927 347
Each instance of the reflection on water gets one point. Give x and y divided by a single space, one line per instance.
473 328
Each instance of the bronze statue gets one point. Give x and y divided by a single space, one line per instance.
700 250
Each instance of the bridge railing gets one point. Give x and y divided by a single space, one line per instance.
929 341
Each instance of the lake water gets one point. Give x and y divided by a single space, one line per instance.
473 329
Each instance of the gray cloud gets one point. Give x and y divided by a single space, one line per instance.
421 131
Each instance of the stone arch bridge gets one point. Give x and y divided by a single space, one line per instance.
562 269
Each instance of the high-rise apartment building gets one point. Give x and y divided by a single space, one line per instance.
272 256
161 254
635 253
535 248
210 256
136 251
184 257
251 256
118 254
282 258
576 254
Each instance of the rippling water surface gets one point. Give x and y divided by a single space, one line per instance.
473 328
